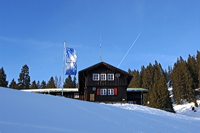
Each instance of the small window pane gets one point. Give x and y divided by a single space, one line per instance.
95 77
103 76
110 91
110 76
76 95
103 91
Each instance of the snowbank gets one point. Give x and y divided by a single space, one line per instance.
186 109
34 113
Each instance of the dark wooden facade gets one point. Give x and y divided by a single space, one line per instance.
135 95
92 90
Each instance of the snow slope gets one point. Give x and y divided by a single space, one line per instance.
37 113
186 109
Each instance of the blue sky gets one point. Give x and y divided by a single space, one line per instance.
32 32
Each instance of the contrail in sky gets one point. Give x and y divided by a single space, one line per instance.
129 50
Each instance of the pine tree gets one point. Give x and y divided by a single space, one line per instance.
24 78
155 79
178 81
135 82
68 82
192 67
34 85
147 81
182 82
50 83
74 82
43 85
3 81
164 100
38 85
13 84
198 68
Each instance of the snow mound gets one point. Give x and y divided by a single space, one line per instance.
186 109
33 113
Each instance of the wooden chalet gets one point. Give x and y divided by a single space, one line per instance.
105 83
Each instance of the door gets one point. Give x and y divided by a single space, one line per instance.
91 97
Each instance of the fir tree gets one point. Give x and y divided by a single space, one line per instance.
198 68
50 83
38 85
147 81
34 85
74 82
68 82
192 67
182 82
13 84
3 81
43 85
135 82
155 79
24 78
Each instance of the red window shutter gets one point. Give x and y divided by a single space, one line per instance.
98 91
115 91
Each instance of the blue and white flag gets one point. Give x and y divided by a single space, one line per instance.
71 66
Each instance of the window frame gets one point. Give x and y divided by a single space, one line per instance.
76 95
95 77
104 76
109 75
103 91
111 91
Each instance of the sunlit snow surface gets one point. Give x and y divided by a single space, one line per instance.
186 109
25 112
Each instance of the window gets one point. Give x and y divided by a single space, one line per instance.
110 91
76 95
103 77
95 77
103 91
110 76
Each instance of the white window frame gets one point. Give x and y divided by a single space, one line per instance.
103 91
76 95
95 76
103 77
110 91
110 77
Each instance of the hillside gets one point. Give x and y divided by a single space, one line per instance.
31 112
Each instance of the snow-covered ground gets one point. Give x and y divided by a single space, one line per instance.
37 113
186 109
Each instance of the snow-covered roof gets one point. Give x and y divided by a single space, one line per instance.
137 89
53 90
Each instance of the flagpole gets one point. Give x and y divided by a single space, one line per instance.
64 62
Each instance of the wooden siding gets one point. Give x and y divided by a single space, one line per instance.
135 97
86 83
121 81
120 97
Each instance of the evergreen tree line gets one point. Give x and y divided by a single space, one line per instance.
155 79
24 81
183 77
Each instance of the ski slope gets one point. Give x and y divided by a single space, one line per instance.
37 113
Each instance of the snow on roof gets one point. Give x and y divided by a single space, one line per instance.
52 90
137 89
